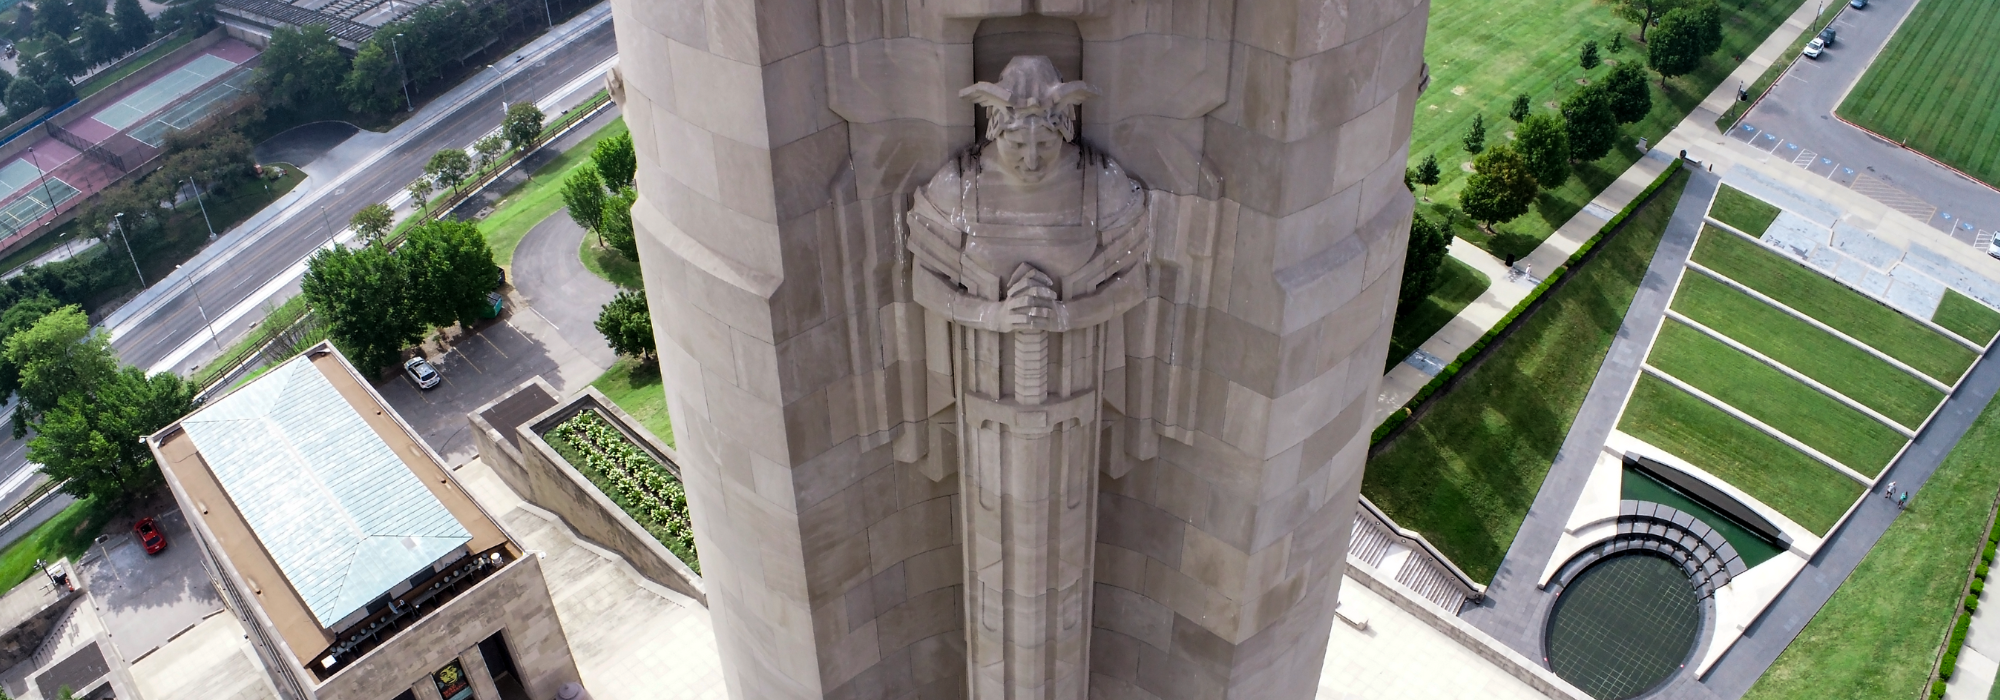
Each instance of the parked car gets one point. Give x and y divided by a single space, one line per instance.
1814 49
1857 4
150 536
1827 35
421 372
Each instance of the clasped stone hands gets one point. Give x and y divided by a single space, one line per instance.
1030 303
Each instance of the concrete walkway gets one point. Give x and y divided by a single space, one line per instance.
1979 661
1515 605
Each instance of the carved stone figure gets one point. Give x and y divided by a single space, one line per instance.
1029 244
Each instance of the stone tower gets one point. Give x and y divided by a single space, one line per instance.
1021 348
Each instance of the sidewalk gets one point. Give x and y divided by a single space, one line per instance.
1403 381
1979 661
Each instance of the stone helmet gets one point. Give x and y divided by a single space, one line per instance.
1030 91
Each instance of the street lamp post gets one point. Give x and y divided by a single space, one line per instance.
552 14
46 196
204 313
404 72
328 223
118 222
503 88
204 209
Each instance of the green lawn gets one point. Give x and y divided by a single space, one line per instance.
67 534
637 390
529 204
1748 214
1465 472
1812 352
1878 634
1959 314
1811 494
1483 53
1458 285
1832 303
1933 87
611 265
1849 437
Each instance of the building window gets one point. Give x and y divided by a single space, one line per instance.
452 683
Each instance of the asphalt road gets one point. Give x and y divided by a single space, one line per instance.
551 277
178 319
1795 122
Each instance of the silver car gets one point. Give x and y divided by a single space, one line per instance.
1814 49
421 372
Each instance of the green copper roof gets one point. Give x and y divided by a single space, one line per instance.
340 513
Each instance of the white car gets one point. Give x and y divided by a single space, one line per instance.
1814 49
421 372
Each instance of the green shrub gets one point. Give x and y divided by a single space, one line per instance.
1982 572
1971 602
1978 586
1987 556
1937 690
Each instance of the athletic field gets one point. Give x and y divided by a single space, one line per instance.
1935 89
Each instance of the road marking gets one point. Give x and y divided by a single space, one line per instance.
468 360
489 343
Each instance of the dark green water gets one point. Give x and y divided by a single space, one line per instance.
1753 548
1623 625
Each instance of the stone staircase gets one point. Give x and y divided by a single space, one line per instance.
1410 559
1708 559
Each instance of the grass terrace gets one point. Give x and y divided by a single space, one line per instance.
1878 634
1483 53
1960 314
518 212
1465 471
1932 88
1810 493
1833 304
637 390
612 266
1786 404
1808 350
1748 214
1458 286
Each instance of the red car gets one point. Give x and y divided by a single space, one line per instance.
150 535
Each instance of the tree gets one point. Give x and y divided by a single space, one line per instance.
57 17
1593 128
101 42
57 92
617 232
1631 97
1501 187
18 317
1475 137
523 124
1427 172
56 355
488 149
627 325
90 440
365 294
24 96
133 24
449 167
59 55
372 86
451 270
1708 27
1520 109
1644 12
421 189
301 66
1588 58
616 161
1676 48
373 222
1428 247
1617 42
1545 145
583 193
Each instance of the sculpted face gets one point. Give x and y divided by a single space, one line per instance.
1028 150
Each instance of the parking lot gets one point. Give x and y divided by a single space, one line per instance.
146 600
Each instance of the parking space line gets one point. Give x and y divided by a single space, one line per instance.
489 343
467 359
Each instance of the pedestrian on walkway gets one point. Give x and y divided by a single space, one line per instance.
1890 493
1903 501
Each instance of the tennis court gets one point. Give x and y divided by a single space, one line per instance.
164 91
23 212
195 109
17 175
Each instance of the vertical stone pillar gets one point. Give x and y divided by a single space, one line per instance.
476 672
426 689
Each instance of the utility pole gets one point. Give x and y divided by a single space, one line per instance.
118 222
204 209
204 313
405 72
552 15
503 89
50 198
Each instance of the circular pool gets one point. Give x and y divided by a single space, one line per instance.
1623 625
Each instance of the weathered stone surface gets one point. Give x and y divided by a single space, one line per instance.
818 402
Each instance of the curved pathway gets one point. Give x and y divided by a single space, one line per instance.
550 275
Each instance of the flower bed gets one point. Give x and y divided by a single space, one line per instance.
631 478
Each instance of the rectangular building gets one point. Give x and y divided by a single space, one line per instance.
360 567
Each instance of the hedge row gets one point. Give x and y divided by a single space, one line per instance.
1403 414
1956 642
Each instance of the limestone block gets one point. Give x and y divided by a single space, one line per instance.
1299 28
806 172
1157 75
905 78
684 20
1200 19
1162 152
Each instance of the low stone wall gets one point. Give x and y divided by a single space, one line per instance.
542 477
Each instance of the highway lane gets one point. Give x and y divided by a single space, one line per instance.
177 318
